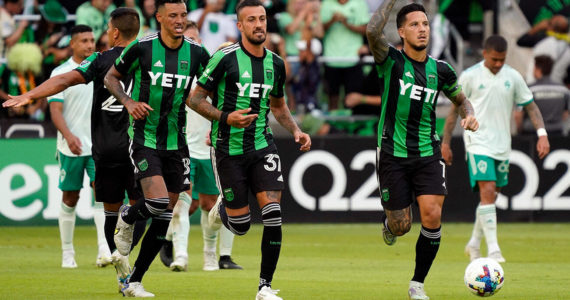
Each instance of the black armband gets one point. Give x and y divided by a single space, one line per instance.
224 117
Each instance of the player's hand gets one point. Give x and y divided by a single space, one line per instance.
138 110
74 144
353 99
240 118
470 123
208 138
542 147
446 153
303 139
17 101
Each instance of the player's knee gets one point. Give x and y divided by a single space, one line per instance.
399 227
431 218
239 225
271 214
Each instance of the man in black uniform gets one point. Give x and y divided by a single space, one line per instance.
245 78
109 124
409 161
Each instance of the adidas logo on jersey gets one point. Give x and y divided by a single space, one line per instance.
254 89
169 80
186 181
158 64
409 74
245 75
415 93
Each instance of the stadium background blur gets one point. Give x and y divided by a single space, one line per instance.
333 183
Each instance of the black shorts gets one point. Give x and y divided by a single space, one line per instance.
351 78
172 165
111 182
256 171
402 179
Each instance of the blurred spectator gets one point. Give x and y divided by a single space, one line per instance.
552 99
229 7
543 29
133 4
344 22
368 102
19 76
95 14
215 27
149 19
9 30
50 36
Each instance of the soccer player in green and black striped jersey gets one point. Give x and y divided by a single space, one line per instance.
163 66
409 160
246 82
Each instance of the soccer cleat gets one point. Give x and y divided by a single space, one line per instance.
166 253
136 289
122 267
267 293
214 220
416 291
227 263
103 261
497 256
210 261
388 237
180 264
68 259
472 252
123 233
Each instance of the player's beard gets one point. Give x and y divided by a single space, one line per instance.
419 47
256 41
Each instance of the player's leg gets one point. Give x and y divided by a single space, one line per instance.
487 214
209 235
180 225
104 253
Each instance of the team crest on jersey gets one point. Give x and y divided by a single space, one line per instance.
507 84
183 65
482 166
143 165
229 194
269 74
431 79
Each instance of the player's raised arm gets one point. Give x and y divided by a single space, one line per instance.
283 116
374 31
542 146
49 87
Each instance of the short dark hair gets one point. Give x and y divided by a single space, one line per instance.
80 29
495 42
127 20
159 3
544 63
246 3
401 18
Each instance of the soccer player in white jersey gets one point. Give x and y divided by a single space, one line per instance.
71 115
204 191
493 88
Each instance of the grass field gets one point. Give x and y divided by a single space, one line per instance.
336 261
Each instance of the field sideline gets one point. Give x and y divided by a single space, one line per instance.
331 261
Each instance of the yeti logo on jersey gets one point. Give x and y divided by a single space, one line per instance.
169 80
254 89
416 92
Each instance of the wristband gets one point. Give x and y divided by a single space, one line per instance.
224 117
541 132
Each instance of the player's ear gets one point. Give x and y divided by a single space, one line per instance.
401 32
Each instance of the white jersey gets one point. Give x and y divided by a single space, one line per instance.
77 101
197 128
493 97
216 29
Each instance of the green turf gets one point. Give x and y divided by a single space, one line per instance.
317 262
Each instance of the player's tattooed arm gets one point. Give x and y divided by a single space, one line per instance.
374 31
283 116
543 145
138 110
399 221
465 110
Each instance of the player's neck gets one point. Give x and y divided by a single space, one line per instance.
415 54
169 41
253 49
122 43
77 59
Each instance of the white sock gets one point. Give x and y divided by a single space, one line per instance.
226 241
180 226
168 236
99 219
210 236
477 235
66 220
488 220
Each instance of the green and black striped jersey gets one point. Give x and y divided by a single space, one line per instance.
162 78
409 98
240 80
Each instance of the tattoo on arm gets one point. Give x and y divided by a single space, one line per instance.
374 31
534 115
464 107
114 85
449 125
198 103
283 115
399 221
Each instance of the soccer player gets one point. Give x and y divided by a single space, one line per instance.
109 124
204 192
163 66
71 114
246 81
494 88
409 160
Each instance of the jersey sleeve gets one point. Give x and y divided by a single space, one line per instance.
523 95
393 56
59 96
129 58
204 59
214 71
88 68
279 82
450 85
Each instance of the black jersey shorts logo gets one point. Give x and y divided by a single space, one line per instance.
229 194
143 165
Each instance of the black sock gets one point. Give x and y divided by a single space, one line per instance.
109 228
151 244
426 250
224 215
270 242
138 232
145 209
